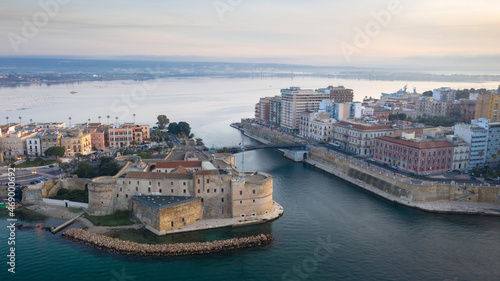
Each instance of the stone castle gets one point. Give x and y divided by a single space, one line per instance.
166 195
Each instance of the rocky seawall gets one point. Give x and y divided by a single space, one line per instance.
109 244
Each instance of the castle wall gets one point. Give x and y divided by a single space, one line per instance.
126 188
101 196
253 197
160 221
215 191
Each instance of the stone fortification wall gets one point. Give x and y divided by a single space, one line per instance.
253 197
270 136
101 196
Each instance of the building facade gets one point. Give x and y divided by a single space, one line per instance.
487 106
295 101
419 157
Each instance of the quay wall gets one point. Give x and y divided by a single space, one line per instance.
427 195
180 249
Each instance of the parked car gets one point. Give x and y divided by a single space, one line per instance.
32 182
426 174
472 178
488 179
373 160
51 166
394 167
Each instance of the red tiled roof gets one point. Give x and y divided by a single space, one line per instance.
175 164
419 145
363 127
152 175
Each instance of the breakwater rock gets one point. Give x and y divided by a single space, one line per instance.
180 249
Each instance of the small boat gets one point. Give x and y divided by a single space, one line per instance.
73 92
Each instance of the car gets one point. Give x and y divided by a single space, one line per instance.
373 160
32 182
394 167
426 174
488 179
51 166
472 178
411 173
38 181
44 178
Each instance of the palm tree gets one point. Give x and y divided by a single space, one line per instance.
99 118
31 121
20 120
108 119
116 122
69 121
7 117
134 117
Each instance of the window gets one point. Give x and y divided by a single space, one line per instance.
184 191
208 180
241 192
208 190
171 183
198 181
149 189
172 224
222 190
171 190
215 190
136 188
121 189
158 184
160 190
222 199
117 195
241 202
183 183
254 191
126 195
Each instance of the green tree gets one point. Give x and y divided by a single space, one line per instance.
108 167
162 121
144 155
184 128
57 151
85 170
173 128
427 93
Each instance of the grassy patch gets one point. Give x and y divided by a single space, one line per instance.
73 195
116 219
75 210
35 164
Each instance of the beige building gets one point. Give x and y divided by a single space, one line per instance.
461 153
316 125
76 141
295 101
359 138
50 139
13 144
487 106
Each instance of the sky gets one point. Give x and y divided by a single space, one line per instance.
321 32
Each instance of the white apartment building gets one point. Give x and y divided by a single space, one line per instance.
295 101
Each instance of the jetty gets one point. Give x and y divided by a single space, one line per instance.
116 245
64 225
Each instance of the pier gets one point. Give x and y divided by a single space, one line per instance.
64 225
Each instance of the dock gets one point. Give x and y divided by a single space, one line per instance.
64 225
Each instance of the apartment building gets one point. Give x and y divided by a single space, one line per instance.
316 125
487 106
419 156
341 111
477 138
461 153
295 101
76 141
358 138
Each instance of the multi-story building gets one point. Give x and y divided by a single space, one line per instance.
358 138
340 94
294 101
275 110
120 136
34 146
264 108
316 125
493 146
50 125
76 141
487 106
50 139
437 108
416 156
444 94
477 138
13 144
341 111
257 111
140 133
467 110
461 153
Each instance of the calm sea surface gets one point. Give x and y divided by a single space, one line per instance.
331 230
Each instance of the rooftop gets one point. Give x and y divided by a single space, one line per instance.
152 175
175 164
417 144
364 127
162 202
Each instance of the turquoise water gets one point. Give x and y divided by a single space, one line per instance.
367 238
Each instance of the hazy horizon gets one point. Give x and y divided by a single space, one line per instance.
420 35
